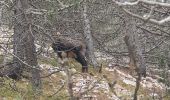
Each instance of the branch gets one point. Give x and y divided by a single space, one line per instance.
67 6
51 73
35 11
150 13
58 90
126 3
156 10
155 3
19 58
47 35
153 21
149 31
86 91
141 1
138 79
166 32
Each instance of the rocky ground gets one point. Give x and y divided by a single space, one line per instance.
114 84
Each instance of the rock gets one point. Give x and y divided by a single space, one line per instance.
63 73
129 82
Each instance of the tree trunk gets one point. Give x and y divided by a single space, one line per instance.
0 16
133 40
168 55
131 50
23 40
141 60
31 59
19 32
88 37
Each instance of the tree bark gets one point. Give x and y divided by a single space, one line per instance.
134 42
19 32
0 16
31 59
131 50
23 40
88 37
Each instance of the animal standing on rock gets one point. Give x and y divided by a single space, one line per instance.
69 48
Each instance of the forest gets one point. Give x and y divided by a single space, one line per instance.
84 49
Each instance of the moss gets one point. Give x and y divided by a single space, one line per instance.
7 92
51 61
25 92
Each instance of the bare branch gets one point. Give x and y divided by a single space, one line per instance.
18 58
141 1
91 88
149 31
67 6
126 3
36 11
51 73
146 18
153 21
62 86
150 13
155 3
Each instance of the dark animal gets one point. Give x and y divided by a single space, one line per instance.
73 49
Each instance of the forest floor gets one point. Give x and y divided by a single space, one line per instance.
114 83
